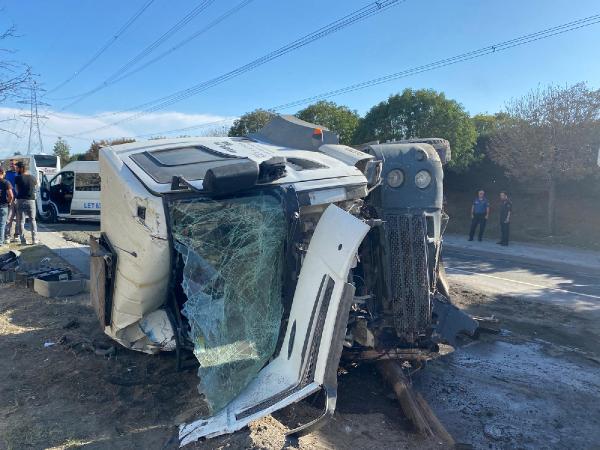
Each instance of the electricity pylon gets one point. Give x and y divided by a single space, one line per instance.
34 119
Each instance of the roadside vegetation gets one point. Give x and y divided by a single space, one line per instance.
542 148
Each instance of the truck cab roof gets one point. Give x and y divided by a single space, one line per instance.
156 162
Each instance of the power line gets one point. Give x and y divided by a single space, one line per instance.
174 48
491 49
190 128
164 102
142 54
105 47
495 48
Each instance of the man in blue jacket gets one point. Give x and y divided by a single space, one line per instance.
480 211
10 176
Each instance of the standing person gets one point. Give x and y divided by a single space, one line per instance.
480 211
505 213
25 184
6 198
10 176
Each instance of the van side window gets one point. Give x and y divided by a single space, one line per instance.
87 182
64 178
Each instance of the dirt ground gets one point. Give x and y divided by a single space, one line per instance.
534 386
60 391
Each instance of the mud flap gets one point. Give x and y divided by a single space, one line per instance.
451 321
313 340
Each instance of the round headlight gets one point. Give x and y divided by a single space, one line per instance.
395 178
422 179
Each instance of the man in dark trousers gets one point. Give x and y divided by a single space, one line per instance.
505 213
6 198
10 176
480 211
26 184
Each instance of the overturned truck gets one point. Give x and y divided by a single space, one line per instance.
267 256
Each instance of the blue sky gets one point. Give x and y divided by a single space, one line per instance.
58 36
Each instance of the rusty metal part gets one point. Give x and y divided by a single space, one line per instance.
401 354
413 404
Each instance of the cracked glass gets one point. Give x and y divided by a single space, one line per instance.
232 251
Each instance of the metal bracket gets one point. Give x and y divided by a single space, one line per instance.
451 321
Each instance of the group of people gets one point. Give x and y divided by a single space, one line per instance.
17 203
480 213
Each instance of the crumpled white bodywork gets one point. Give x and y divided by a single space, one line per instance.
141 244
296 373
142 248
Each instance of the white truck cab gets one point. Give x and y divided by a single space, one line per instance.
260 258
73 193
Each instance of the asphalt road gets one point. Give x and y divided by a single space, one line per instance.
512 275
488 273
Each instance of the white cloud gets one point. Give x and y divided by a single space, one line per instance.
65 125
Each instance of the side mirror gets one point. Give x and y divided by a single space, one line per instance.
373 172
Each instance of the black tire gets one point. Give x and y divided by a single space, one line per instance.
50 216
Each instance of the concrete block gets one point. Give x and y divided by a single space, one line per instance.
7 276
63 288
84 280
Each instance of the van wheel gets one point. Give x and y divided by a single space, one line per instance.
50 216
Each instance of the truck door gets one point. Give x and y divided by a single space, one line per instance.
86 198
61 191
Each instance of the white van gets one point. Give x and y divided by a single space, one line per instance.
73 193
47 165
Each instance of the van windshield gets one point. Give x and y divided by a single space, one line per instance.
45 160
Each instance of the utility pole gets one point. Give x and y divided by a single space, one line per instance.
34 119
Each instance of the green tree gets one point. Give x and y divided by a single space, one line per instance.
94 150
421 113
550 135
486 125
62 149
337 118
250 122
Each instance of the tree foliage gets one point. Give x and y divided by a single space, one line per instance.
250 122
94 150
339 119
550 135
421 113
62 149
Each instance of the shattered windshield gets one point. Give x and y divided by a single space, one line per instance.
232 251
